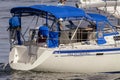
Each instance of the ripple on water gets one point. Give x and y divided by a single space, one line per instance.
30 75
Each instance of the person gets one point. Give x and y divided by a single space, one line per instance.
61 2
60 24
15 29
41 38
43 34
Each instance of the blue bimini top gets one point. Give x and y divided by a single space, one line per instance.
52 11
97 17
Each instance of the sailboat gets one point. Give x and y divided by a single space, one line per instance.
62 39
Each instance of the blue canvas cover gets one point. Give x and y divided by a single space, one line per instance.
44 31
61 11
54 11
97 17
52 37
100 38
53 41
14 22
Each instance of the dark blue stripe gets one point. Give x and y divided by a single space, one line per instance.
86 51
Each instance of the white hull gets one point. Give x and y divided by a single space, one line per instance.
108 62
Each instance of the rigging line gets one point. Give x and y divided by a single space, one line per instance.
36 22
66 34
52 24
76 29
22 36
118 13
105 7
115 7
89 2
85 2
28 26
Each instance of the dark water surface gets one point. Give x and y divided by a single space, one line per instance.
5 6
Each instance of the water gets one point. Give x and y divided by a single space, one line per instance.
5 6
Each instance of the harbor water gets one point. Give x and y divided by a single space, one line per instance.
9 74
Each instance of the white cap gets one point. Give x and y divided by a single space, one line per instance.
60 19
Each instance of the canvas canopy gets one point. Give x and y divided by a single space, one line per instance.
97 17
56 12
53 11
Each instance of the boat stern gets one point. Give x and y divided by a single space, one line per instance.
19 54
